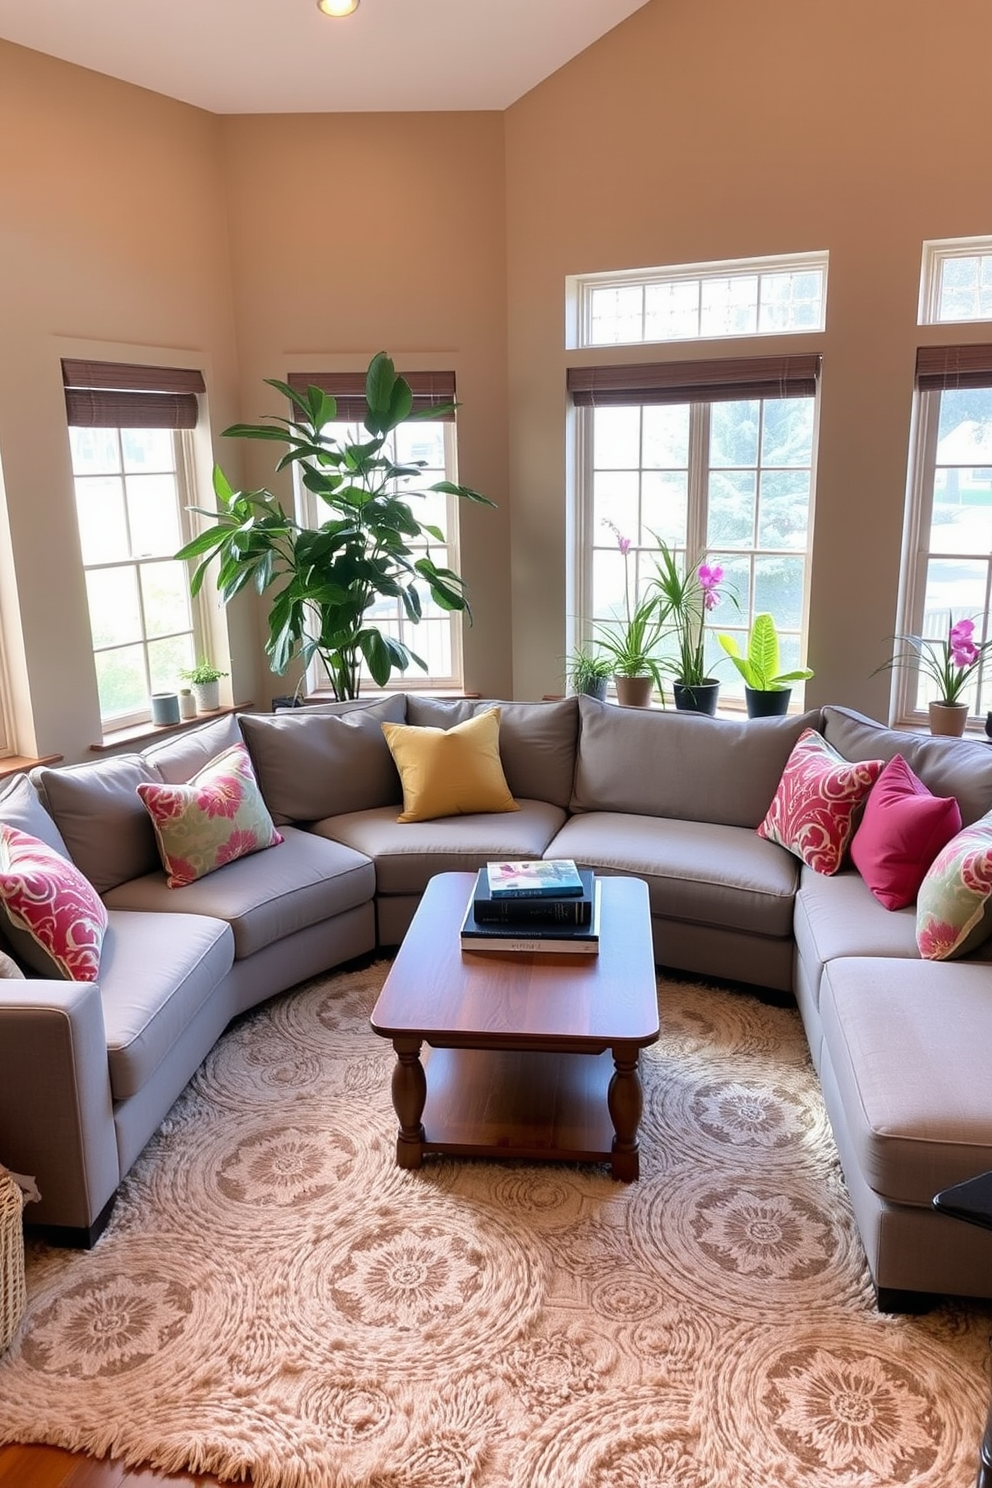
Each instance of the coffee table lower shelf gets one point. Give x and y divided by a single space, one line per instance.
514 1103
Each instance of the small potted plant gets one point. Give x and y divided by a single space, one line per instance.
949 665
204 679
630 645
767 689
588 672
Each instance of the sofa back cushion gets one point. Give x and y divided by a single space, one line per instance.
21 807
685 766
312 764
176 760
537 741
947 767
98 811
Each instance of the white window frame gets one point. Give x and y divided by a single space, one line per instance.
185 497
6 710
729 619
937 253
579 289
916 558
311 512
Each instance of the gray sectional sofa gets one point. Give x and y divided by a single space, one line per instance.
89 1070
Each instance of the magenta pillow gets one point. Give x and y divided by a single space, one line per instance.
903 829
816 802
214 818
56 920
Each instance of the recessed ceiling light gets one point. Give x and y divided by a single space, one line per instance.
337 7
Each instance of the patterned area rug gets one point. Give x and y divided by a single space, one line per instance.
275 1297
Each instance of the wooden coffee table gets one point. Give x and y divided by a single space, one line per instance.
532 1056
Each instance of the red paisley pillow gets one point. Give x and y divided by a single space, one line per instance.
816 802
55 918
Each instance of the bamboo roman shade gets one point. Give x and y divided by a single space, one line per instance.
430 390
118 395
695 382
940 367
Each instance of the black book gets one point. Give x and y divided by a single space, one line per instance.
527 939
493 910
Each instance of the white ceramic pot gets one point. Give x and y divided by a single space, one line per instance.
207 695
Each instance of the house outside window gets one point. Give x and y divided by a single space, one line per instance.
947 568
437 638
131 462
713 458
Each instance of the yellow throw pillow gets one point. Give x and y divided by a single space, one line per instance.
450 772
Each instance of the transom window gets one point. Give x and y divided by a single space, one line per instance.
740 297
948 568
956 282
729 477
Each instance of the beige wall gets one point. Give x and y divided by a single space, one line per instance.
698 129
709 129
358 233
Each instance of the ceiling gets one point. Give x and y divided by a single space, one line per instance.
283 56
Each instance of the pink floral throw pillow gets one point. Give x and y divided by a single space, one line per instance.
816 802
954 905
57 920
214 818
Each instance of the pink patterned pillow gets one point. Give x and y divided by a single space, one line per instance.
214 818
56 919
816 802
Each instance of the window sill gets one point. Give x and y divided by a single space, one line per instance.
141 733
20 764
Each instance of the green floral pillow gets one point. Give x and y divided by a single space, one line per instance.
954 905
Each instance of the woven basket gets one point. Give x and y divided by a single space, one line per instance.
11 1259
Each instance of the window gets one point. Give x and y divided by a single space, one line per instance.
956 282
739 297
437 638
131 457
948 567
709 457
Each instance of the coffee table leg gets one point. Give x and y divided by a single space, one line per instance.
409 1098
626 1102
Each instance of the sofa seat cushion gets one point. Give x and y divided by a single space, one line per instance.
696 871
266 896
839 916
156 972
408 854
908 1043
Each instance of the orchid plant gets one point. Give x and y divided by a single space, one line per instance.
949 664
631 644
686 594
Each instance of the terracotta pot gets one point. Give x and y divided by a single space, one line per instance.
634 692
948 718
764 704
699 699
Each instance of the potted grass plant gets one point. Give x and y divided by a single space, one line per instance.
685 593
588 672
631 644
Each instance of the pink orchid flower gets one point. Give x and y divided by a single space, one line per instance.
623 543
709 579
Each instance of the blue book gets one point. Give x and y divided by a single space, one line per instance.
536 878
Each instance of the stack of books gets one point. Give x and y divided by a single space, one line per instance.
544 905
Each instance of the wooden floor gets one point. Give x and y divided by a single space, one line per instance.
50 1467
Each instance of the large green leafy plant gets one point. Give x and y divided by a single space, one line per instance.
761 665
326 578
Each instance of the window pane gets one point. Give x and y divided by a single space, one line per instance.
607 584
154 515
167 659
787 432
165 595
671 311
115 617
617 438
664 507
734 429
100 513
778 587
120 677
784 509
732 509
94 451
729 306
615 496
421 441
666 436
148 449
954 589
615 315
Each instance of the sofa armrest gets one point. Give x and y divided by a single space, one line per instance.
56 1111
